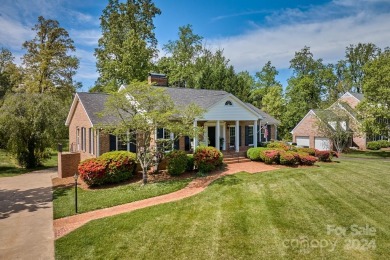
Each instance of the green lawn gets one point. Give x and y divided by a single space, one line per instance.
64 204
9 167
292 213
367 154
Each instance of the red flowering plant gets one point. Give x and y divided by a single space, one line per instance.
93 171
120 165
306 159
324 156
111 167
287 158
207 159
271 156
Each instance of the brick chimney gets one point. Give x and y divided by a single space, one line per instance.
156 79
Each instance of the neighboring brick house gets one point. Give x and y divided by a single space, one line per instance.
306 132
229 123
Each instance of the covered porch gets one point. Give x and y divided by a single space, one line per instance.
228 135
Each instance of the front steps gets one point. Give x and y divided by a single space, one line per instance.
235 157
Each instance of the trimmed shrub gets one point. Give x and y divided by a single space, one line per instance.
287 158
93 171
323 156
310 151
384 143
254 153
177 162
271 156
306 159
120 165
206 159
110 167
190 162
278 145
376 145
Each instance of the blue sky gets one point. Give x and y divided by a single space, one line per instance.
250 32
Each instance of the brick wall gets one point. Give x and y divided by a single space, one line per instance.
308 127
78 121
67 164
351 101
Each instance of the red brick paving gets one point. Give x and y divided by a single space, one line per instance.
66 225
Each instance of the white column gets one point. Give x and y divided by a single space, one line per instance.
237 144
276 132
172 137
260 132
128 141
196 135
218 131
255 133
224 136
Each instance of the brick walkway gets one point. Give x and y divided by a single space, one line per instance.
65 225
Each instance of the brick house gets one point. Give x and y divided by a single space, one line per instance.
306 132
228 123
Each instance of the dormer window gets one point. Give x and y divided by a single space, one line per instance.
228 103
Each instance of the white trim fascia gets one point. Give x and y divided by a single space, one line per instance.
72 110
311 112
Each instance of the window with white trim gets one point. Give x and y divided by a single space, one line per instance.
91 141
232 136
78 139
83 139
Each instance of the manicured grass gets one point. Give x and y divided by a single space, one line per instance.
9 167
367 154
64 198
283 214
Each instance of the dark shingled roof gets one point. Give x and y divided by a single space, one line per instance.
204 98
359 96
94 104
267 117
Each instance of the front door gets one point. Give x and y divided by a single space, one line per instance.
211 134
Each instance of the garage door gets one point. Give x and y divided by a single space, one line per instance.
321 143
303 141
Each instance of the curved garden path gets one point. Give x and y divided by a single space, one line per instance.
66 225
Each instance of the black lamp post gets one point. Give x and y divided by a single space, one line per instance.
75 176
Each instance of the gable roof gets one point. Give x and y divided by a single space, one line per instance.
205 98
358 96
93 104
266 117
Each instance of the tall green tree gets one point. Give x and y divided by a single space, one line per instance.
128 44
142 109
305 88
6 68
29 124
375 108
183 54
48 65
273 102
265 79
356 57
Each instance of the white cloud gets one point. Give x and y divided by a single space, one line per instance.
13 33
326 32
